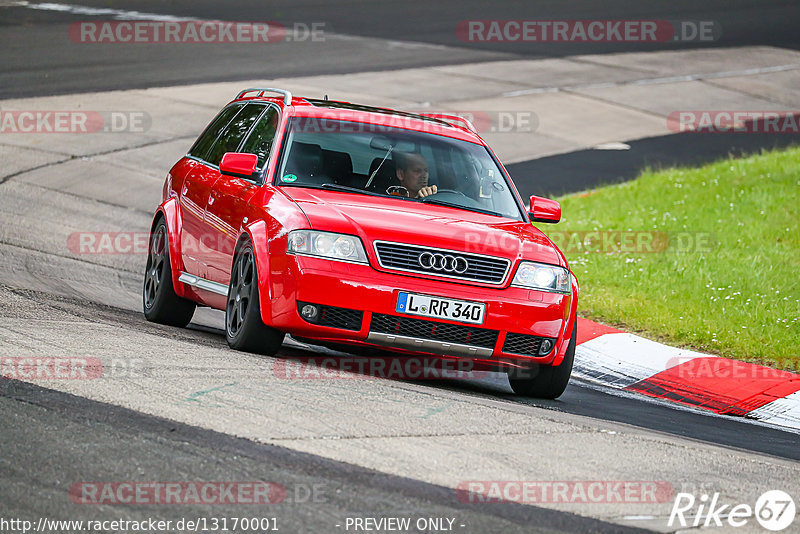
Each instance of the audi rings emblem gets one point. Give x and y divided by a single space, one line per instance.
443 262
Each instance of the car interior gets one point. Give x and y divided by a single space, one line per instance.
464 174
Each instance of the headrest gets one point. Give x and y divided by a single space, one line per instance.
338 164
304 159
387 169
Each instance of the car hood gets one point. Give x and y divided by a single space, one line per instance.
386 219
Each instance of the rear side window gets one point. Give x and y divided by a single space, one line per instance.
231 136
207 138
260 140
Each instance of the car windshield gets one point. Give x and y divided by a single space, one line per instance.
379 160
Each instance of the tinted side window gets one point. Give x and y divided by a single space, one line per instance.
234 133
207 138
260 140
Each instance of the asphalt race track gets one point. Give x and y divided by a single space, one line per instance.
178 405
584 169
418 32
318 489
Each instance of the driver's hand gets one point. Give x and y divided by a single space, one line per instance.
427 191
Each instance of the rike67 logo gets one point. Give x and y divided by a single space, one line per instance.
774 510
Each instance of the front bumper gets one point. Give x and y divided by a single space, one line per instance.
520 312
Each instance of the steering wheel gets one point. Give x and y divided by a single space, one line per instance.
441 191
397 190
459 198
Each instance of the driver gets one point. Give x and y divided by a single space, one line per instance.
412 172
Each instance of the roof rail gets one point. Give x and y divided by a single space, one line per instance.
454 120
287 96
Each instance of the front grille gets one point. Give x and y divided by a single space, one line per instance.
523 344
406 258
343 318
422 329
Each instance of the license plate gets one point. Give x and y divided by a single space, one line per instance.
441 308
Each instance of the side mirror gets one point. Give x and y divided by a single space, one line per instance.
544 210
239 165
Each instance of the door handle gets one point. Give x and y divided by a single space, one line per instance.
211 199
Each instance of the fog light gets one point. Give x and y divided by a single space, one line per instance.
309 312
545 347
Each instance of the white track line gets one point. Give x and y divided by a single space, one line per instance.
659 80
121 14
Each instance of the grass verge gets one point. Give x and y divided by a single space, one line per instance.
707 258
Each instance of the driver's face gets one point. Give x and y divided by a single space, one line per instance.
415 176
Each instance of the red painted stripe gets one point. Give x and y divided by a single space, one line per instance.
720 385
589 330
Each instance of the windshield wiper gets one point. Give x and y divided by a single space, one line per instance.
334 187
348 189
429 200
375 172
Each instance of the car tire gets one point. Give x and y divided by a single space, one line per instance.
550 381
159 301
244 328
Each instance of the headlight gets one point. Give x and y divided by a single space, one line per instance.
543 277
327 245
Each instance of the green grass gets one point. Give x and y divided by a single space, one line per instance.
739 296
